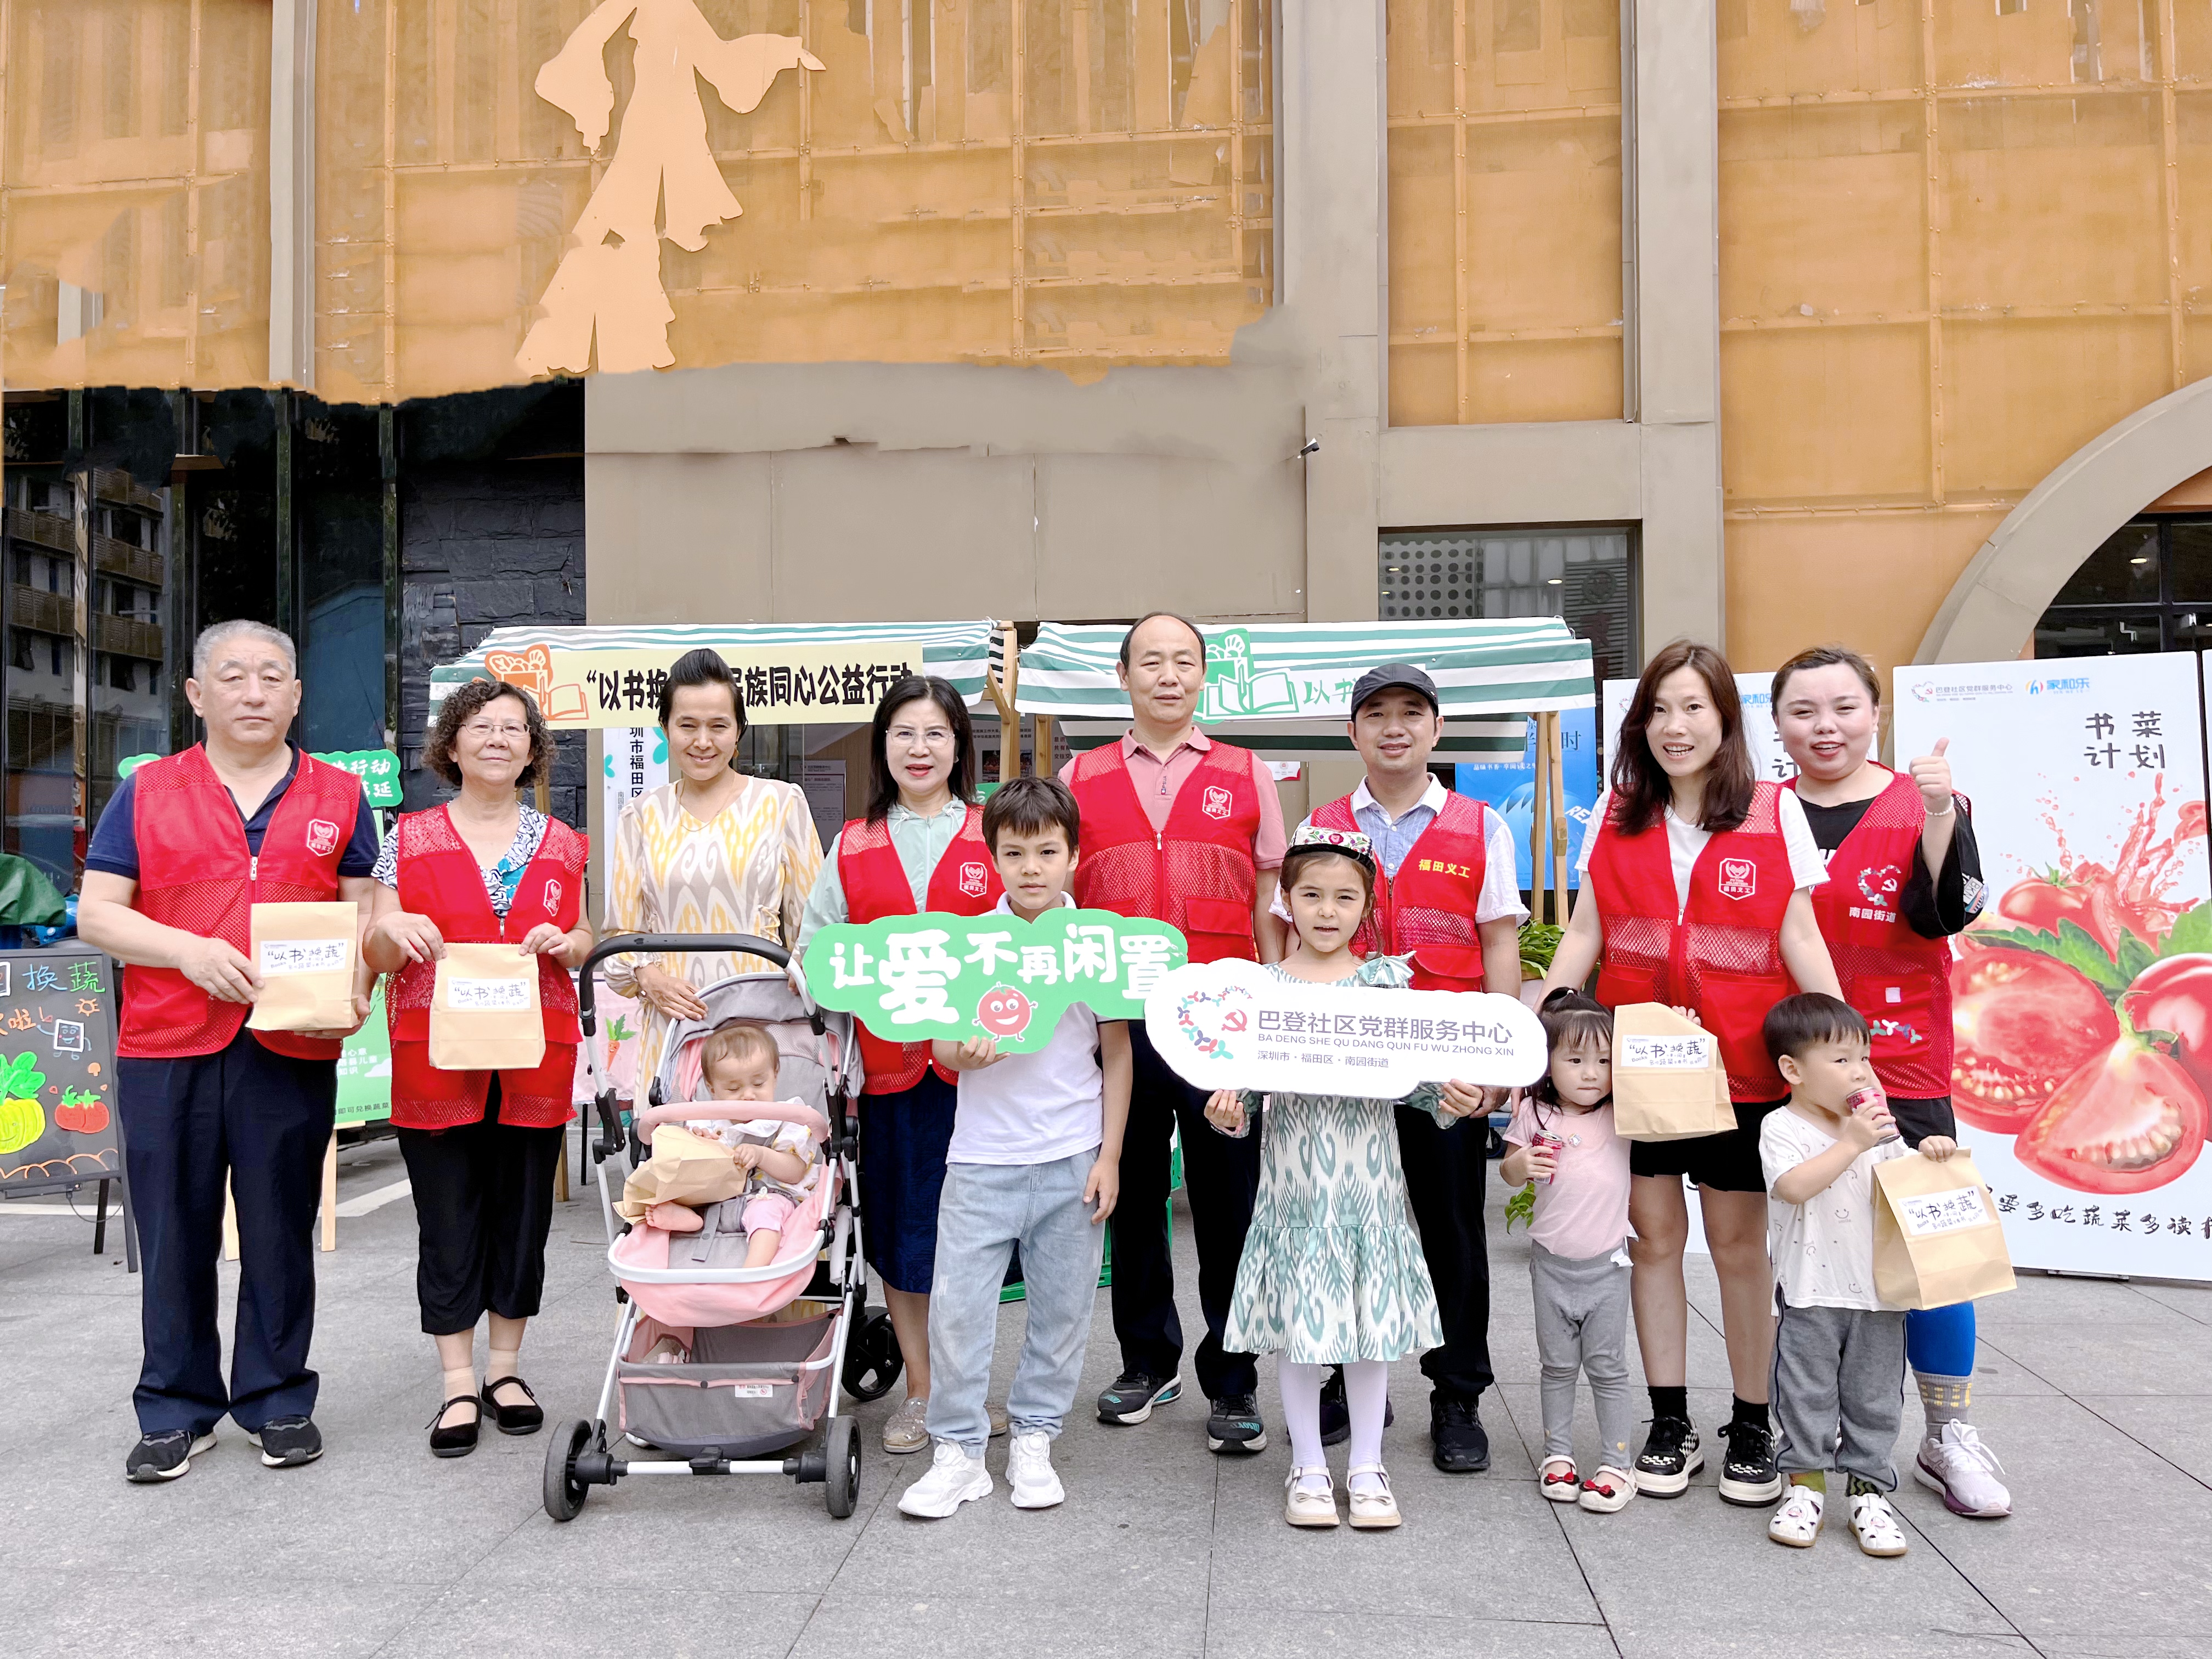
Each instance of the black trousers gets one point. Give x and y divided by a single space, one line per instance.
264 1119
1222 1178
1447 1173
483 1207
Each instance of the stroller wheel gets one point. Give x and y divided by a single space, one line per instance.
841 1446
564 1494
872 1361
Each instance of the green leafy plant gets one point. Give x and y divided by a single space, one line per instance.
1539 940
1522 1206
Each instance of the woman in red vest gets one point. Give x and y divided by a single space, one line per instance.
481 1146
920 847
1904 875
1697 883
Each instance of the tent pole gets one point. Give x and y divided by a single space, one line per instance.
1002 680
1558 814
1539 865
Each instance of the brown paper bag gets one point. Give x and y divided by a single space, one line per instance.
685 1169
305 954
1937 1237
1669 1083
484 1015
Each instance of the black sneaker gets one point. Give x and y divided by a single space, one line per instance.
1747 1473
1336 1414
159 1457
1463 1443
1234 1425
288 1442
1670 1456
1134 1394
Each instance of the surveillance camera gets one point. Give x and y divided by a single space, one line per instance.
1313 447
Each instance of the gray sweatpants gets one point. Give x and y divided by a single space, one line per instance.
1582 1325
1838 1372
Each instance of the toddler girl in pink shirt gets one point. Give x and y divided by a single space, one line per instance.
1562 1138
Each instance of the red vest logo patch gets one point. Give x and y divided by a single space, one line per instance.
1216 803
1879 886
975 880
322 837
1739 878
552 897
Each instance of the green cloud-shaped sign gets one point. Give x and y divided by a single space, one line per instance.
377 768
911 979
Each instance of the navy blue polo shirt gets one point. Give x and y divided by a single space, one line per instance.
115 849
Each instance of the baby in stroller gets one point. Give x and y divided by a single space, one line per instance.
780 1161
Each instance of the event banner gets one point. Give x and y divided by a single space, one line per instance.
913 978
1234 1025
365 1068
377 768
1508 788
2084 992
786 684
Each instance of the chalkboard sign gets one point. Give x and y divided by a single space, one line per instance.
56 1069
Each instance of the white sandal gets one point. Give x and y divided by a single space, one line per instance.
1874 1524
1371 1511
1797 1522
1609 1490
1558 1480
1304 1507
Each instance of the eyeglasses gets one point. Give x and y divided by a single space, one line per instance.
481 731
937 736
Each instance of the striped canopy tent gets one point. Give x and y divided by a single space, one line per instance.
1284 689
960 650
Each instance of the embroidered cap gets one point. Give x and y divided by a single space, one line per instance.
1352 843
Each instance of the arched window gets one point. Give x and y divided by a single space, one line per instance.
2148 587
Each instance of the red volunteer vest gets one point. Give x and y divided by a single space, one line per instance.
1428 909
964 883
1198 874
440 878
1900 981
195 873
1721 954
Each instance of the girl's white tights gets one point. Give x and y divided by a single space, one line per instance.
1366 1391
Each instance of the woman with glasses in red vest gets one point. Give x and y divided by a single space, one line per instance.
481 1146
1904 875
920 847
1697 892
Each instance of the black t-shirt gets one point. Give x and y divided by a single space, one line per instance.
1936 908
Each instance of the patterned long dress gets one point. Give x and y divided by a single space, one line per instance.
747 872
1331 1269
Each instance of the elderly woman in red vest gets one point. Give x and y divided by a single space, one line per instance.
481 1146
920 847
1697 883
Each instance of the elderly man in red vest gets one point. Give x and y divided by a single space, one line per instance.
1180 828
1447 891
186 845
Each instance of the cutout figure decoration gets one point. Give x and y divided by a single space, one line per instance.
663 180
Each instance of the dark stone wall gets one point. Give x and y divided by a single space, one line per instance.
485 544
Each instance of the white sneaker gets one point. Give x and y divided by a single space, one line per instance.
1797 1522
1875 1525
1965 1471
955 1478
1030 1471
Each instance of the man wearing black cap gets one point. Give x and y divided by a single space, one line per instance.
1446 890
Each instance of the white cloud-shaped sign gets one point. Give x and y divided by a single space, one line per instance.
1234 1025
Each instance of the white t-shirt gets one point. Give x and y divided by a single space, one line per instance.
1823 1249
1034 1108
1500 897
1687 841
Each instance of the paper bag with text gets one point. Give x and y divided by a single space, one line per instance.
305 954
1669 1083
1937 1237
484 1015
685 1169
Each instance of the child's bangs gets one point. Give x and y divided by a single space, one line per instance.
1579 1028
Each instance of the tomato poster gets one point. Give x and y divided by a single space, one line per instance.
56 1069
2083 992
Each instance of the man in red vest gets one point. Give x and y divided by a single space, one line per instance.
187 844
1446 890
1178 827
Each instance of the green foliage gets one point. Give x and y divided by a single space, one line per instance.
1520 1207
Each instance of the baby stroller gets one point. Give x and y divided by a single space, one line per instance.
770 1352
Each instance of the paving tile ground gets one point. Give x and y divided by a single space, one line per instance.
2098 1395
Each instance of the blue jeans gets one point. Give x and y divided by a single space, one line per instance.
986 1211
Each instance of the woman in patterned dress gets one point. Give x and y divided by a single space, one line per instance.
713 852
1333 1272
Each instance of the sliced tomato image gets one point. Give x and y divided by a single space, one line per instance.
2083 898
2024 1024
2175 996
2127 1121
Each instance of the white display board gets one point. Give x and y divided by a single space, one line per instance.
1752 690
2092 769
634 759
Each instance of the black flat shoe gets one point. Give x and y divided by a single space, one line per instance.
514 1419
460 1438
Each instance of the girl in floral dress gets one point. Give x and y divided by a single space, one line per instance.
1331 1271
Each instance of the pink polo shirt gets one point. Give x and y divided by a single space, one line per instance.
1158 782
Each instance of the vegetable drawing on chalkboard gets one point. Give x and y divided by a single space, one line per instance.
81 1113
22 1119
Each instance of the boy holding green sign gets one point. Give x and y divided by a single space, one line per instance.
1034 1163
